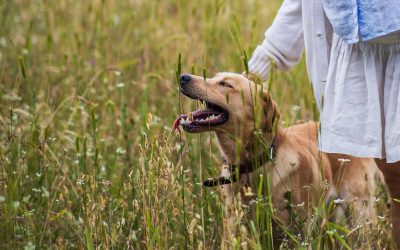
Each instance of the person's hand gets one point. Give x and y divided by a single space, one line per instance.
260 64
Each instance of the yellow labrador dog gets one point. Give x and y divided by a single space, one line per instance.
252 143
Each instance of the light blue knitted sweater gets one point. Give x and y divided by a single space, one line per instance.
363 20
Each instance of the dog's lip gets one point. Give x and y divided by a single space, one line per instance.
198 120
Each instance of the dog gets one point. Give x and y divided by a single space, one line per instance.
253 143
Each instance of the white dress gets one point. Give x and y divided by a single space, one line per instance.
360 113
361 95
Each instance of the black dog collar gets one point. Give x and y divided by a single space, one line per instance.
245 167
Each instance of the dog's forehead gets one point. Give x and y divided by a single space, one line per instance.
230 75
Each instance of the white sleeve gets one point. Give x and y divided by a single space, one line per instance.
283 42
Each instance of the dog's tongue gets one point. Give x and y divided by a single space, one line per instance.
177 122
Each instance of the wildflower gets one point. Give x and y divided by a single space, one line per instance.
45 192
338 201
15 204
120 151
382 218
296 108
331 232
30 246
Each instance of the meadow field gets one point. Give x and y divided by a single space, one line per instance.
88 95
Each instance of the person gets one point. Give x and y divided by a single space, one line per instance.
353 61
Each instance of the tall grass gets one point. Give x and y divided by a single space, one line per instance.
88 95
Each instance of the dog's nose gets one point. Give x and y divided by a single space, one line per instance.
185 79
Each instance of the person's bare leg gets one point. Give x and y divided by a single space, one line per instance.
391 172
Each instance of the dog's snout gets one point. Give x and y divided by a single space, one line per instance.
185 79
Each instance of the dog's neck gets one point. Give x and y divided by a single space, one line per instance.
228 145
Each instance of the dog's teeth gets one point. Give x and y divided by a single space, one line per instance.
211 117
183 121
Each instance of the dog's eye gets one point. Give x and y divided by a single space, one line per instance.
225 84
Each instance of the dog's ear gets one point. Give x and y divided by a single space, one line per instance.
271 113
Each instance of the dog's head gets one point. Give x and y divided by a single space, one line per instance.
233 104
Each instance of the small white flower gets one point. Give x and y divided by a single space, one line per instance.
45 192
120 151
26 198
331 232
30 246
15 204
296 107
338 201
381 217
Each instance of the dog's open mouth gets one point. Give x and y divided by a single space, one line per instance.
202 120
